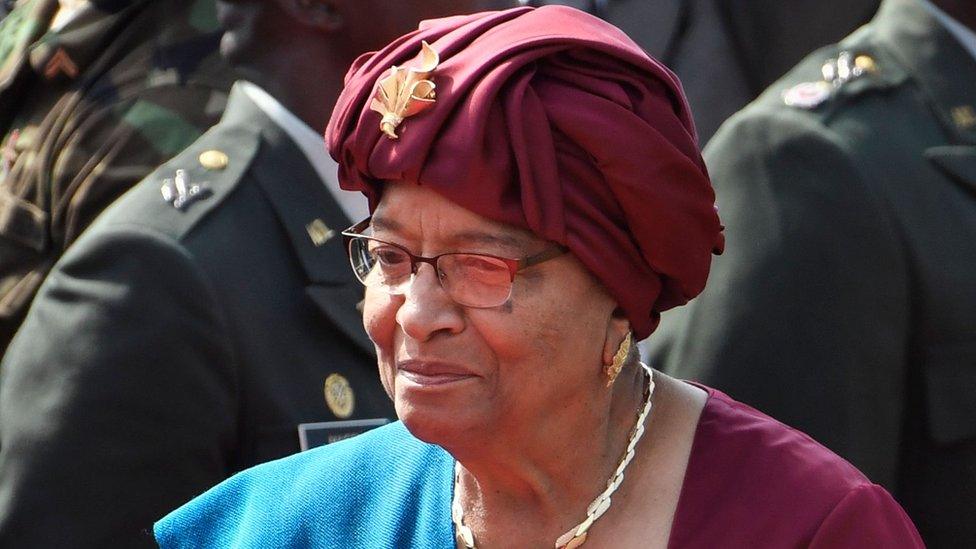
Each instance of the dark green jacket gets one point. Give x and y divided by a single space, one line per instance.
85 113
845 304
171 347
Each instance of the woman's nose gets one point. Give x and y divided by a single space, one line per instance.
427 308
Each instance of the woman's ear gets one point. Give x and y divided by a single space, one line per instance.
618 328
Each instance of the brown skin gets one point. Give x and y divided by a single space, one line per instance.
299 50
518 393
963 11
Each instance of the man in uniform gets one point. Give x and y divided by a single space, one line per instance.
94 95
727 51
210 311
845 304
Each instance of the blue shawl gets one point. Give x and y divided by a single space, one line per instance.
381 489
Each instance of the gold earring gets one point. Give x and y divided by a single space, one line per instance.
613 370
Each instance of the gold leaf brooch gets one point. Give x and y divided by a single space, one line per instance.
405 92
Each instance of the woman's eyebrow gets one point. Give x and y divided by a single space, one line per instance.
384 224
480 237
471 236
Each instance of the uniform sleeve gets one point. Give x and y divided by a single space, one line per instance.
867 517
805 316
118 396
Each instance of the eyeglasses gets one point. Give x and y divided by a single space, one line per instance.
473 280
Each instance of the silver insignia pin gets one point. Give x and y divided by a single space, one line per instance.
180 193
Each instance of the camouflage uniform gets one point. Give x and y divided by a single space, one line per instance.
88 110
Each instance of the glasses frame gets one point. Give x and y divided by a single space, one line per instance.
514 265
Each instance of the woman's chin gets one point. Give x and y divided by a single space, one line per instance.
442 425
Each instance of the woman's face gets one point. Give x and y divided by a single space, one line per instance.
458 373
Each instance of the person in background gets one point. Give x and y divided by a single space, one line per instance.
94 95
727 51
208 315
537 199
846 305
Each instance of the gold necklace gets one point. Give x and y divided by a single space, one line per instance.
577 534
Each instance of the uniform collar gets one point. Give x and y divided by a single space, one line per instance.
312 146
306 210
936 61
965 35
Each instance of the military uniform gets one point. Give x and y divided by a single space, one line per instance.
90 103
845 303
727 51
183 337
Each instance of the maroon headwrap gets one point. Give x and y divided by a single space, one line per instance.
552 120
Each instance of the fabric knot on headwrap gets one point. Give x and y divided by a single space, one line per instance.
551 120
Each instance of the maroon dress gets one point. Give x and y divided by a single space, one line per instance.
754 482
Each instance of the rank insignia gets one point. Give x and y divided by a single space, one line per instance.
59 63
964 116
319 232
339 396
180 193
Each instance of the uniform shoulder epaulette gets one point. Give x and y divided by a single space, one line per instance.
207 169
183 190
848 70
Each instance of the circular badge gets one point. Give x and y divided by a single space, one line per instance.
339 396
807 95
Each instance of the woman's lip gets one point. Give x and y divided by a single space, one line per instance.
431 380
432 373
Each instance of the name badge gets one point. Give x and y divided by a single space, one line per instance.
313 435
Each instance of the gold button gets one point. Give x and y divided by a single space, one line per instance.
865 63
214 159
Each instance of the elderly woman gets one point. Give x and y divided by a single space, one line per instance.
532 216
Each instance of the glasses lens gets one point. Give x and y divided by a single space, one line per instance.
379 265
475 280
